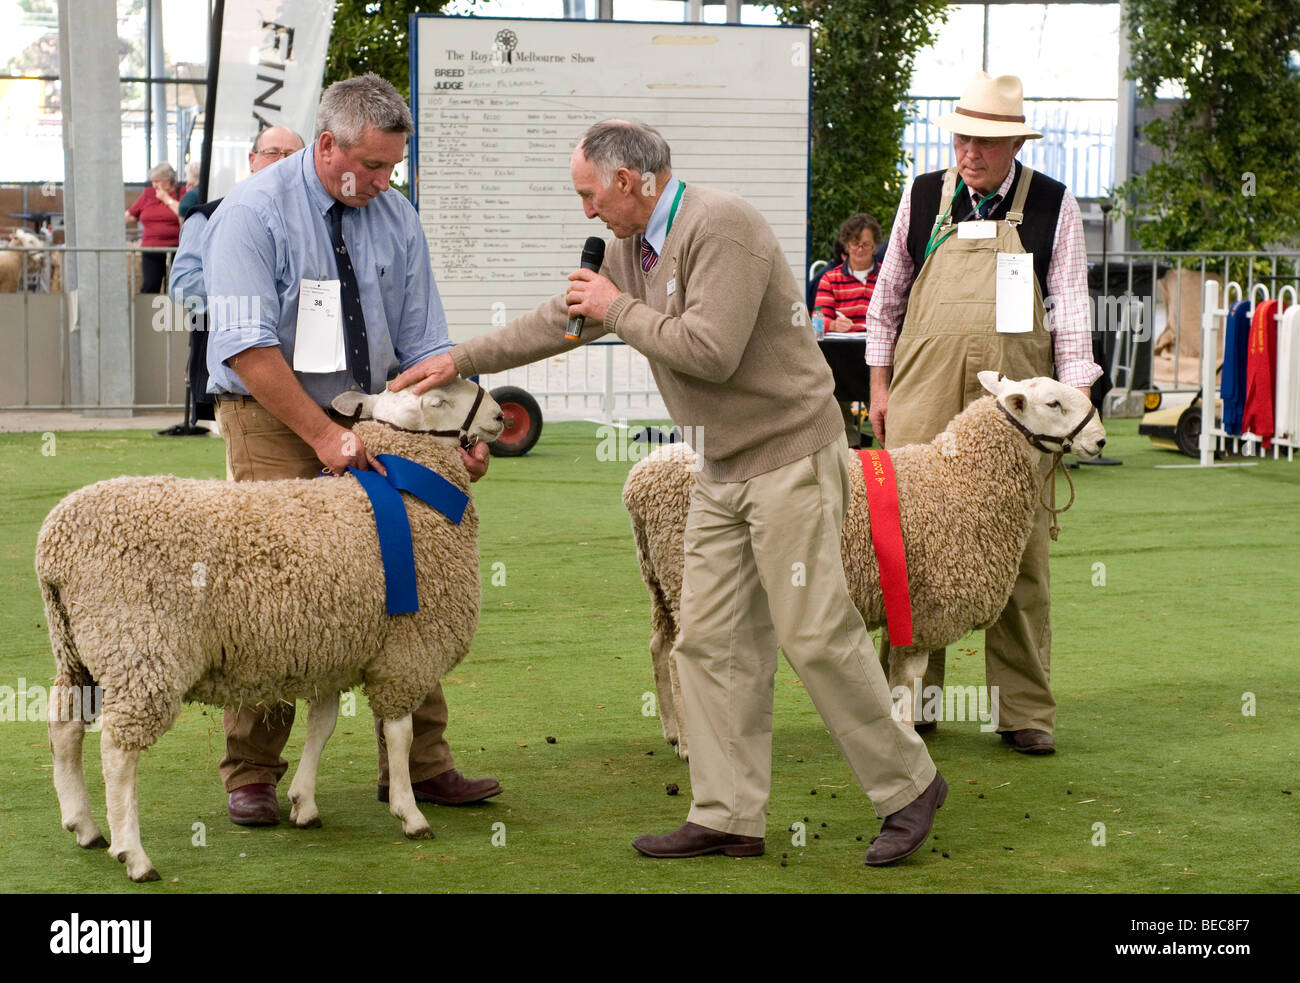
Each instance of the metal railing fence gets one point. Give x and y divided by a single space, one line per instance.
40 331
1149 306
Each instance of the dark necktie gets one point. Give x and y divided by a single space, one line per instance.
648 257
986 209
354 321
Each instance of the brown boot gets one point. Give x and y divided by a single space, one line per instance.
1029 741
692 840
451 788
254 805
905 831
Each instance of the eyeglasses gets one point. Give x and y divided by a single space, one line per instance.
862 245
274 154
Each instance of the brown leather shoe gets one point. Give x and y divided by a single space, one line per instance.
451 788
905 831
692 840
1029 741
254 805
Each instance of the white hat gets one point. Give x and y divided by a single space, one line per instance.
990 107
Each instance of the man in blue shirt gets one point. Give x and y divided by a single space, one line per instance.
186 279
273 237
271 145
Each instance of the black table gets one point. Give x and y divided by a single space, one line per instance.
846 359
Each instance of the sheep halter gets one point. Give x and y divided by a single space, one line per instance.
463 433
1066 442
887 540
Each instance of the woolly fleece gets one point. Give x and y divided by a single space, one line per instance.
166 590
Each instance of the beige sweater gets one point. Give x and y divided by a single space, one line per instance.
730 346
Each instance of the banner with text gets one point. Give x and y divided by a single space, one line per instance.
272 63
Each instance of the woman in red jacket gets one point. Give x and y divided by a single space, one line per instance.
159 225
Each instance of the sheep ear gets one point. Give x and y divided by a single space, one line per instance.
1016 402
994 382
352 403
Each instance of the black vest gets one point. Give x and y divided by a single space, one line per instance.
205 209
1037 231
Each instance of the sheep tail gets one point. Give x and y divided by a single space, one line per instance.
71 673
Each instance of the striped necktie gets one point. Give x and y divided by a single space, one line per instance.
648 257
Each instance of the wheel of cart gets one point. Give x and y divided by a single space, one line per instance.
523 423
1187 432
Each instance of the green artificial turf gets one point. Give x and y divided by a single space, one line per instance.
1175 604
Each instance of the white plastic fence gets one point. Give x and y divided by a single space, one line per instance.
1286 398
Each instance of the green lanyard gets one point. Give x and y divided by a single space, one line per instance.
672 212
932 245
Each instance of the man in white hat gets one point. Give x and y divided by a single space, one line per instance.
979 253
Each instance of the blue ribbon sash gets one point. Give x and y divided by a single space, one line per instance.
394 526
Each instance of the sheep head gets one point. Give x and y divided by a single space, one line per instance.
445 410
1050 411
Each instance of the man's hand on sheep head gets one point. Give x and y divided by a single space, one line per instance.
437 370
443 410
428 374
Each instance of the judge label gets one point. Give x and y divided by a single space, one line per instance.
1015 293
977 230
318 345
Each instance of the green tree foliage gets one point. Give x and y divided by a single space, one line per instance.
863 53
1229 174
371 36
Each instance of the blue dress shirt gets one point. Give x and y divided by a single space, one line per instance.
186 277
271 232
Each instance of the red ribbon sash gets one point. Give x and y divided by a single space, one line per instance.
887 538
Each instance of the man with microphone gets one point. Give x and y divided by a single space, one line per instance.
695 279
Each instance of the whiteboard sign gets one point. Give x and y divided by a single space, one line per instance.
500 104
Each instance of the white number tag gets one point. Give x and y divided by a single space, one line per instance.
318 344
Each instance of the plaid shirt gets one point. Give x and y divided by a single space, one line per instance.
840 292
1067 287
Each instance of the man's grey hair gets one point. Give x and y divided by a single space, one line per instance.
349 105
615 143
162 172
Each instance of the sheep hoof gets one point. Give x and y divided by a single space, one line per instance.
98 843
148 875
312 823
423 833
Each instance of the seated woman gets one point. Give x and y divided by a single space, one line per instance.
845 292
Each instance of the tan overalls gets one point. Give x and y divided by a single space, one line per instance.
949 335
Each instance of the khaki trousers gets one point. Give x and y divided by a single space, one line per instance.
763 568
261 448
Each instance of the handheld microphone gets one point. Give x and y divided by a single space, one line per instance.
593 254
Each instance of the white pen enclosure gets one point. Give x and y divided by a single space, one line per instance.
499 105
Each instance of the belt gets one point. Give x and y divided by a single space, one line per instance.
238 400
